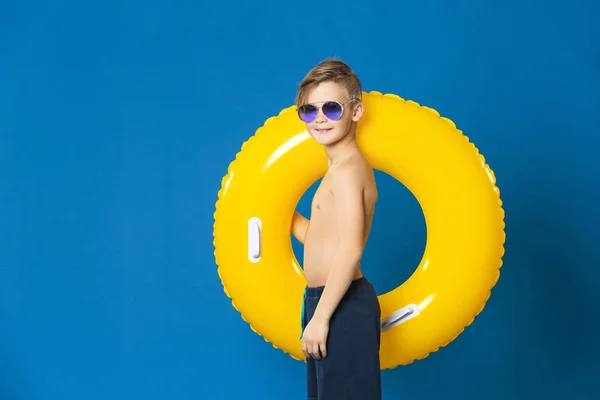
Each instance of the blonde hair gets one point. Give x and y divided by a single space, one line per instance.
330 70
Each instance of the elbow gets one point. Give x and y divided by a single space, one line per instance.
355 258
301 240
299 237
299 227
302 232
351 256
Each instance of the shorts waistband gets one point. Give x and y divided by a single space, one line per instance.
318 290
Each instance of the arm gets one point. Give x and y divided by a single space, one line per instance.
349 209
299 226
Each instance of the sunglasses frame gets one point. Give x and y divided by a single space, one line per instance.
320 109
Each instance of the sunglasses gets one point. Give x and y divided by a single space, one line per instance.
331 109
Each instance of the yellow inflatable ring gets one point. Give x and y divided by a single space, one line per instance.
436 162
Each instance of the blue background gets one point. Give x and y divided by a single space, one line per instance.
117 122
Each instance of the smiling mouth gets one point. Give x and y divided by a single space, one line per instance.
323 130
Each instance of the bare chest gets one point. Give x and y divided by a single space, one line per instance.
323 201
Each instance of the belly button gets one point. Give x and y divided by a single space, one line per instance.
318 207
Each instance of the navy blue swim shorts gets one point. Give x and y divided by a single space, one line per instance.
351 370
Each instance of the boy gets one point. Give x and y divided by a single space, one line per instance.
341 314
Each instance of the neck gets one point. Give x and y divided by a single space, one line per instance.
341 149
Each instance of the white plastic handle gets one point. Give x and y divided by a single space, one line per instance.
254 239
400 316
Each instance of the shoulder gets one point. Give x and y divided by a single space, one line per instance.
350 177
346 174
355 179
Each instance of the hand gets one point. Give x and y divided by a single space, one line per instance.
314 339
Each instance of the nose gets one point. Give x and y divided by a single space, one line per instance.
320 116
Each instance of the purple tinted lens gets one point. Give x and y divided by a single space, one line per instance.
332 110
307 112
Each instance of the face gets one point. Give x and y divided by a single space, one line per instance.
329 130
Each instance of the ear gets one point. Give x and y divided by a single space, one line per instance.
358 112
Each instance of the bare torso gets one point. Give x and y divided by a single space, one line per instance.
321 239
